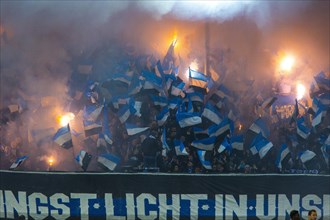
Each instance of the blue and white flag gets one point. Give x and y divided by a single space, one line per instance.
177 89
92 112
159 100
211 113
204 144
198 130
120 100
325 149
18 162
83 159
63 137
225 145
322 81
152 81
306 155
174 103
125 112
180 149
253 144
106 135
324 99
224 126
263 146
193 74
237 142
195 97
133 129
260 126
302 130
224 92
135 86
169 79
284 151
206 163
92 128
186 119
163 139
317 118
110 161
162 117
159 69
104 140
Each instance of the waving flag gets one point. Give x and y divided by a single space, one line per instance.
317 118
211 113
163 138
152 81
180 150
135 86
18 162
225 145
224 92
92 128
237 142
106 135
196 97
284 151
125 112
133 129
162 117
177 89
306 155
302 130
193 74
169 79
174 103
63 137
110 161
92 112
204 144
322 81
120 100
83 159
224 126
206 163
263 146
186 119
159 100
260 126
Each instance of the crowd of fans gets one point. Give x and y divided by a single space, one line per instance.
147 150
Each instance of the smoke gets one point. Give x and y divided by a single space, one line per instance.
39 40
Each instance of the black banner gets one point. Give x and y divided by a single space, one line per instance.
161 196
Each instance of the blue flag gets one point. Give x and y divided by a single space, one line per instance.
197 75
110 161
211 113
302 130
186 119
180 150
162 117
306 155
83 159
206 163
92 112
322 81
92 128
63 137
177 89
204 144
284 151
159 100
18 162
224 126
237 142
133 129
260 126
225 145
163 138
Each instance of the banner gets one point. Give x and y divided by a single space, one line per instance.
161 196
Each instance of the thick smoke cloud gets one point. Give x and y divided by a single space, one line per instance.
39 40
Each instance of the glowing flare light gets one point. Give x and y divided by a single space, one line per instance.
301 89
287 63
65 119
50 161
